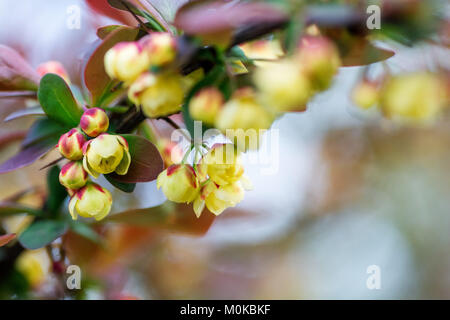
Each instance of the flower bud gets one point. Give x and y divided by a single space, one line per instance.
179 183
218 198
170 151
94 121
283 86
159 95
34 265
126 61
106 154
91 201
73 176
161 48
70 144
53 67
320 60
365 94
206 104
417 96
243 120
223 164
263 50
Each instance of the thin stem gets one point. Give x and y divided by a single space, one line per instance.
136 17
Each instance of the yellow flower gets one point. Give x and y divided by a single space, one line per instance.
161 47
218 198
91 201
206 104
170 151
223 164
106 154
94 121
34 265
283 86
70 144
126 61
73 176
159 95
264 50
365 94
320 60
242 118
417 96
179 183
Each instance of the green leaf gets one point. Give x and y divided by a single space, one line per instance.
10 209
56 192
57 100
43 129
41 233
125 187
146 162
85 231
168 216
103 32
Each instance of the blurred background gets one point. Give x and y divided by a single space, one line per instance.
352 190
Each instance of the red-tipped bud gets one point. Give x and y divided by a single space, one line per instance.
94 121
206 104
73 176
70 144
161 47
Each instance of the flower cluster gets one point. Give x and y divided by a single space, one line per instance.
413 97
143 67
103 153
282 84
217 181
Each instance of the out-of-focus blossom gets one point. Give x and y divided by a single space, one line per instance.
53 67
35 265
161 48
206 104
366 94
159 95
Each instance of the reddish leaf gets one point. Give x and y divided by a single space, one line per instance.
103 7
95 78
168 216
146 161
103 32
6 238
28 155
15 72
210 19
364 53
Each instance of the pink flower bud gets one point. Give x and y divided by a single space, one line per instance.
94 121
73 176
70 144
53 67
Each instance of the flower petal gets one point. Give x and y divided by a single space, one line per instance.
88 168
124 165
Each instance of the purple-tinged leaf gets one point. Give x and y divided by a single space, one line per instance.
28 155
15 72
11 208
32 111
